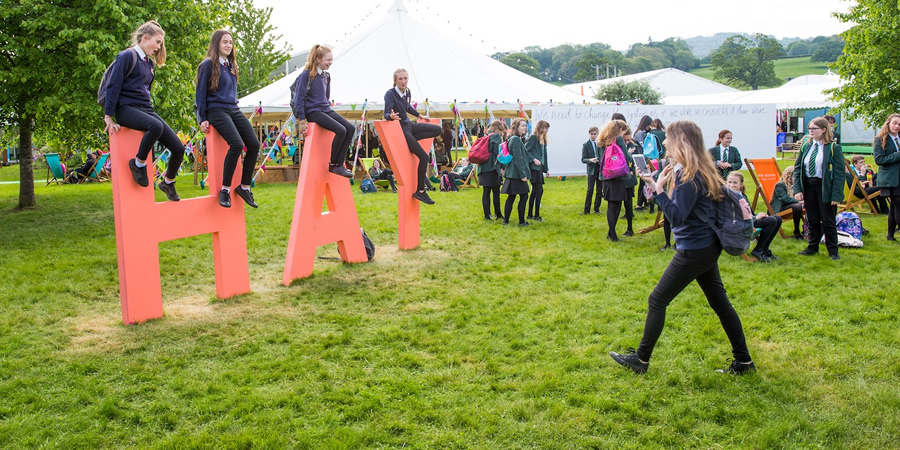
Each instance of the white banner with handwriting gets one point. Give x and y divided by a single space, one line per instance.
753 127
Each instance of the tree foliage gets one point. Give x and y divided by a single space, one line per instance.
828 51
256 45
744 61
523 63
869 62
620 91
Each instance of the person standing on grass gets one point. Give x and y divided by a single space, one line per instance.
397 106
590 155
768 224
819 184
727 158
216 97
783 199
516 184
639 134
128 100
614 189
536 149
681 195
489 172
886 149
310 102
630 149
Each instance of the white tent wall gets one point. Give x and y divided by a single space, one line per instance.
751 125
856 132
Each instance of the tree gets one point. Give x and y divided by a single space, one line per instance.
798 48
749 62
256 45
523 63
869 62
828 51
55 100
685 60
589 67
620 91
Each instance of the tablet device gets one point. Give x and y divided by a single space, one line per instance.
641 163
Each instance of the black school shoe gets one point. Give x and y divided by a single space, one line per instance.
630 360
738 368
808 252
246 195
139 173
423 197
341 171
225 198
169 190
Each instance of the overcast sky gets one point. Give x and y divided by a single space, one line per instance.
491 26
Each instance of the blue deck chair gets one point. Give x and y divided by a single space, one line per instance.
55 172
98 173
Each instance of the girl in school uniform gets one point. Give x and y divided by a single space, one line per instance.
727 157
768 224
639 134
536 149
614 189
517 173
631 147
682 195
783 199
886 149
312 92
128 101
489 172
217 100
819 184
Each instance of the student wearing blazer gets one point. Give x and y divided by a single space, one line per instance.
489 172
128 100
819 184
639 134
517 173
886 149
659 130
536 151
726 157
767 224
590 155
216 99
782 199
615 190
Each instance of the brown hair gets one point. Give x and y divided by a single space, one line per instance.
656 123
610 132
722 136
740 177
686 147
514 127
618 116
886 130
212 54
317 51
151 28
498 126
540 131
825 125
787 177
593 129
857 158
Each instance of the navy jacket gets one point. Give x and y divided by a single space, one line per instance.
224 97
316 99
134 90
691 232
400 105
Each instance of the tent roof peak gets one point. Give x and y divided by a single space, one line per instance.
398 6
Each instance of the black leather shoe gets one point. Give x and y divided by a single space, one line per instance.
759 256
423 197
834 256
538 219
225 198
340 170
139 173
629 233
524 224
169 190
246 195
808 252
891 238
488 217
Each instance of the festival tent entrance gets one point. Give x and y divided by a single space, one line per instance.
441 69
668 82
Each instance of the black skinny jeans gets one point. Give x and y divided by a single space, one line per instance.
342 129
487 194
523 201
387 174
155 129
819 216
770 226
537 193
894 215
413 132
686 266
593 181
235 128
796 214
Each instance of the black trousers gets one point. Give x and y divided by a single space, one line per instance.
796 214
593 181
453 177
537 193
235 128
641 200
489 193
686 266
667 231
413 132
819 216
769 226
894 215
387 174
523 202
881 206
155 129
343 133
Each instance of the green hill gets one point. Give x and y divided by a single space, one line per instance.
784 68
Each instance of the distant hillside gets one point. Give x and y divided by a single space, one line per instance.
785 68
702 46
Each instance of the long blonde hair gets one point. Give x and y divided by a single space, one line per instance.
317 51
886 130
787 176
151 28
610 132
540 131
685 146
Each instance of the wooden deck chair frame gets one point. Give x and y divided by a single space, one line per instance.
764 195
55 176
77 177
471 180
657 224
853 202
97 172
384 184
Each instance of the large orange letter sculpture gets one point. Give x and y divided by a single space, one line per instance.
404 165
310 227
141 224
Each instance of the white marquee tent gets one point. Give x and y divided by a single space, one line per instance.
669 82
363 71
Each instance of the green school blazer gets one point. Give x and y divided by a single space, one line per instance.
734 158
535 150
780 197
587 153
518 167
491 164
888 160
832 174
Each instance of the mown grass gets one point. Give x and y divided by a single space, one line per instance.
486 336
784 68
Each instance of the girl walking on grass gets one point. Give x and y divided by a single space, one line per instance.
489 172
536 149
516 184
693 189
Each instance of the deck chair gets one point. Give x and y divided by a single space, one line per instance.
852 201
469 179
657 224
55 172
765 175
365 164
98 173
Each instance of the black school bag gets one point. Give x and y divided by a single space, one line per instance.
733 223
104 80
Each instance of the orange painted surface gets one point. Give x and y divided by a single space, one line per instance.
142 223
768 173
310 227
404 165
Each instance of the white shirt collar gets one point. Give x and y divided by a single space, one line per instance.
402 93
319 70
821 144
222 60
140 51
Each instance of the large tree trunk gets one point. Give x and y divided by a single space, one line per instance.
26 162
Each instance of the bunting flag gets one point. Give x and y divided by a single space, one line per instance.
353 106
262 168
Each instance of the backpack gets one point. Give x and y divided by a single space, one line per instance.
614 163
370 247
296 83
733 223
445 183
651 146
849 222
104 80
367 186
481 150
505 157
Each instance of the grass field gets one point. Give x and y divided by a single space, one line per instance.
486 336
784 68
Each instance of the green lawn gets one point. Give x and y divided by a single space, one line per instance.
486 337
784 68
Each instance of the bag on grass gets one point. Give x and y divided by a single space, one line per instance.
445 183
850 223
367 186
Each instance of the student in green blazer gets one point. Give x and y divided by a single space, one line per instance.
536 150
615 190
659 130
489 172
517 173
726 157
819 183
783 200
886 149
591 157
